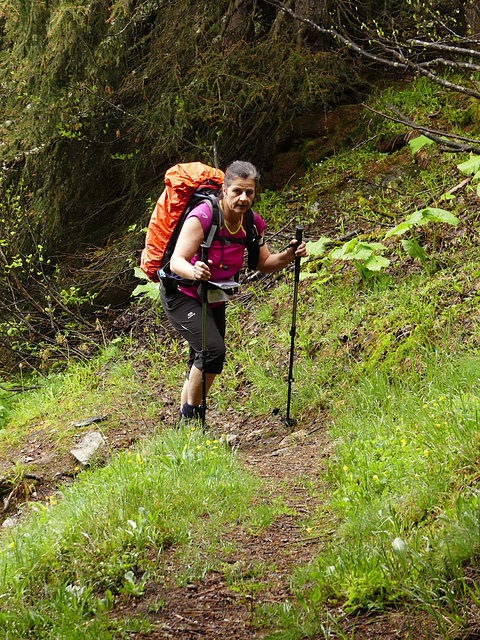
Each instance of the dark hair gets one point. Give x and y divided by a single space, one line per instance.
240 169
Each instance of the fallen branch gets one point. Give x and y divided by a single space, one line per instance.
459 186
18 389
339 36
432 134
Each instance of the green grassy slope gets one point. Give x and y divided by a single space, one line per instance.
388 355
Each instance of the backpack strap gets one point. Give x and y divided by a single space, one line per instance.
217 219
253 240
169 279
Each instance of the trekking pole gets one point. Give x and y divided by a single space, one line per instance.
291 421
204 258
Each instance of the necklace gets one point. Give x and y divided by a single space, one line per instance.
230 231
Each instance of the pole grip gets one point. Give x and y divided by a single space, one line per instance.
204 258
204 252
298 237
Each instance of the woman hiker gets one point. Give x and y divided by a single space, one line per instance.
183 305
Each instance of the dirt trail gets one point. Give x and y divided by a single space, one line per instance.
210 609
222 605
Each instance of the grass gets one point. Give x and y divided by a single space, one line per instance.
403 487
60 570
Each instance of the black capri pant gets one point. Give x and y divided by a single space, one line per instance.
185 314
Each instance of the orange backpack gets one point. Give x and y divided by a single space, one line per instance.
186 186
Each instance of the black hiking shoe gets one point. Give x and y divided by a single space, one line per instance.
190 415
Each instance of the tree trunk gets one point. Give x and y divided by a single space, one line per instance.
238 25
317 12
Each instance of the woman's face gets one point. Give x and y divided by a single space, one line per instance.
239 195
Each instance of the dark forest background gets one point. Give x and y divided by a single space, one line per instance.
99 98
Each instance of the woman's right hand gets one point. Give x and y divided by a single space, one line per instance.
188 243
201 271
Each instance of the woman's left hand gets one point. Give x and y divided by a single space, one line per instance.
301 250
271 262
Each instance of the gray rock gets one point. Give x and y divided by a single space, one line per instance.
88 447
86 421
278 452
8 523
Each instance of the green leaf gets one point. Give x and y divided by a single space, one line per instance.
470 166
375 263
417 217
149 289
417 143
376 246
317 248
398 230
361 252
139 273
355 250
439 215
414 250
342 252
423 216
400 548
